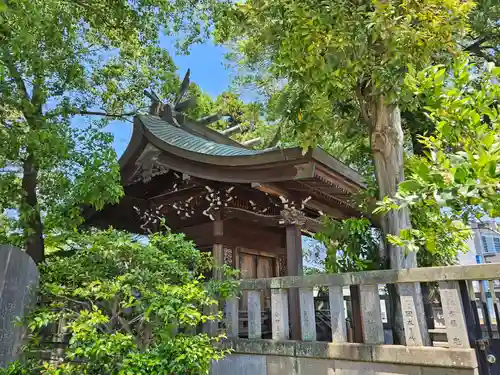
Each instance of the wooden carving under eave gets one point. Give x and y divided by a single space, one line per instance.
293 216
228 256
282 265
148 165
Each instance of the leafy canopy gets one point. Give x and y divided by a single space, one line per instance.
64 59
248 116
326 64
315 53
459 174
351 245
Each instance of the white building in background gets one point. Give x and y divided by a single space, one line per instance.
484 244
484 247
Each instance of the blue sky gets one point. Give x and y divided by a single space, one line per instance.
206 62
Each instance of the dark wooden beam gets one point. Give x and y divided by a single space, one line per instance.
218 248
294 268
311 225
245 215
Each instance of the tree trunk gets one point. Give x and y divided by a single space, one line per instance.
386 137
387 149
32 224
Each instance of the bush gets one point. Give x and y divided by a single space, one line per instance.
122 305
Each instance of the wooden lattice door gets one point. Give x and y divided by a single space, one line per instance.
253 266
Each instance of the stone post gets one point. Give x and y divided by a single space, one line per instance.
254 315
232 317
279 312
453 313
371 315
18 282
337 313
307 314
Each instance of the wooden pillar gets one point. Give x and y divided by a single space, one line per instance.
211 327
294 264
294 268
218 249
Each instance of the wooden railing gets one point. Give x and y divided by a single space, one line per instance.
455 285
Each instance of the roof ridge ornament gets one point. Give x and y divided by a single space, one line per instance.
173 113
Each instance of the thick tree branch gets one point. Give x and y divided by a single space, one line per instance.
16 77
476 48
476 44
104 114
363 106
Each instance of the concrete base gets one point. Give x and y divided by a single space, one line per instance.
268 357
237 364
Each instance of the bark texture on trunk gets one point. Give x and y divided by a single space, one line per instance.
387 144
33 226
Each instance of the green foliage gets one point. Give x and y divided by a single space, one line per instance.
61 60
315 57
460 170
249 116
483 40
351 245
123 306
458 177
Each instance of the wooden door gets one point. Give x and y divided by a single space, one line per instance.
248 270
256 267
264 271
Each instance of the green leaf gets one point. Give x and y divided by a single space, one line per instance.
409 186
492 168
460 175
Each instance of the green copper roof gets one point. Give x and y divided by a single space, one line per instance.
180 138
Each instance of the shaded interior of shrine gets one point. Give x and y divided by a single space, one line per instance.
248 207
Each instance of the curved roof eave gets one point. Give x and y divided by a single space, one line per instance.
219 155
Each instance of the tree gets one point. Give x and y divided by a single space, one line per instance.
119 305
351 245
242 121
459 173
347 49
328 53
64 59
483 39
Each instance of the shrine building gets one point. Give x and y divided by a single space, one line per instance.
249 207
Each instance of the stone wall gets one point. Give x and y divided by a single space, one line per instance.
276 365
18 281
265 357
